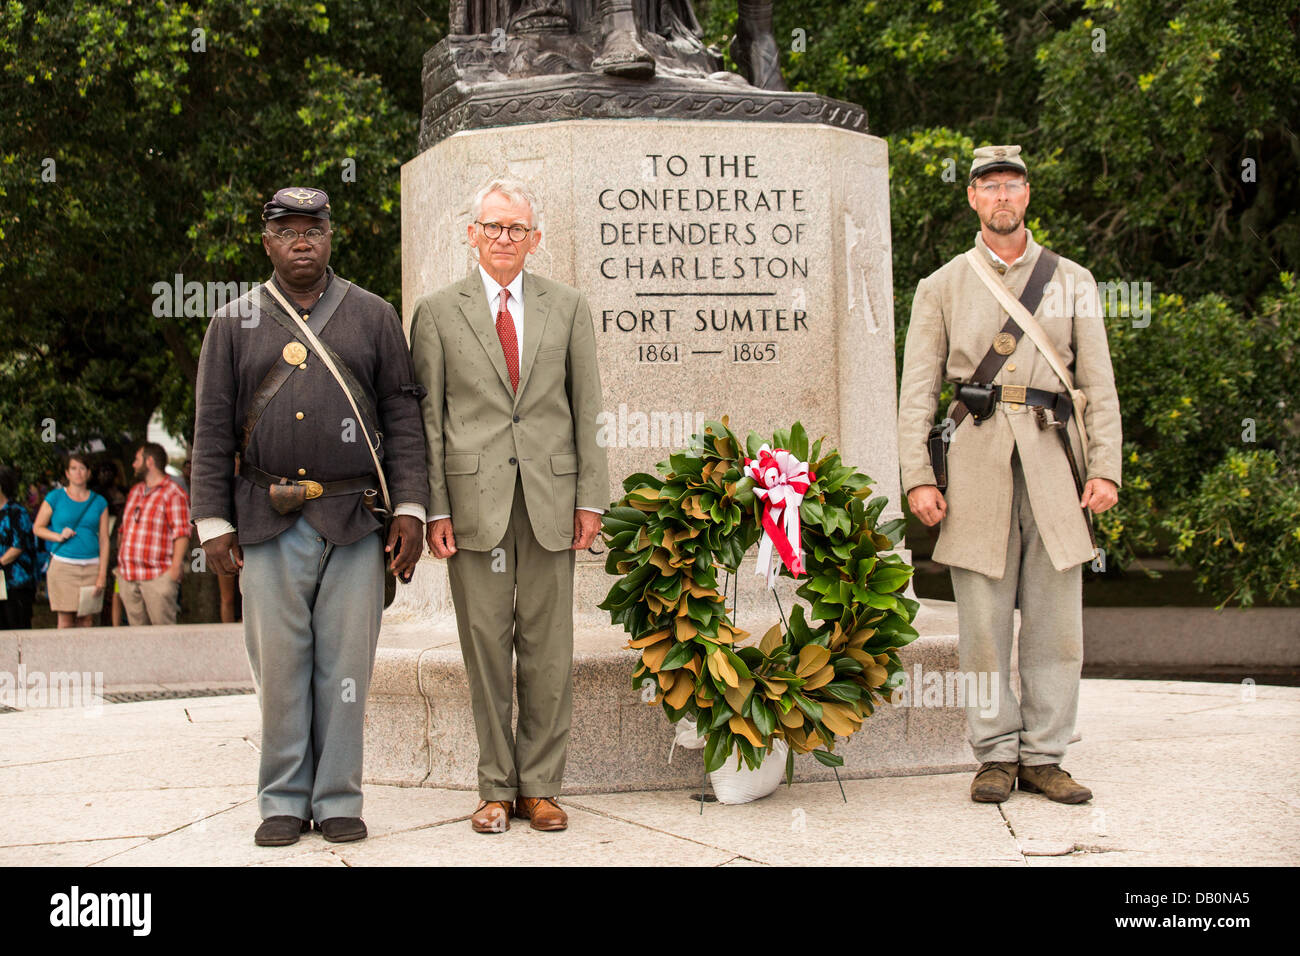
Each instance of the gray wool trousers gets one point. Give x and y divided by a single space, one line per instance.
311 625
1035 728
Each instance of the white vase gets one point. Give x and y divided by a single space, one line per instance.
745 785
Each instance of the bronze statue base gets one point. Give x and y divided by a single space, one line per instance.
473 82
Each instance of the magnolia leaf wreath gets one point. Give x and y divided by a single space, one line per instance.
811 677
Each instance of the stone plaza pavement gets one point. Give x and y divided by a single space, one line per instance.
1184 774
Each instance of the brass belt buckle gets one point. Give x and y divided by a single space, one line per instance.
313 488
1015 394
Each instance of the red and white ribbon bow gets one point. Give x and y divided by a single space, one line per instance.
780 480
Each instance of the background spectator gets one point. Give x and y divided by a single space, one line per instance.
79 546
17 555
154 538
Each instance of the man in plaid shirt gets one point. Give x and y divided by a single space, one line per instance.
154 537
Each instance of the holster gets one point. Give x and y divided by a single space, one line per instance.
381 514
287 497
979 399
938 443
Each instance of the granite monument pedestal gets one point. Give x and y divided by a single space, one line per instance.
731 268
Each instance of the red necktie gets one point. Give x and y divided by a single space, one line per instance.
509 340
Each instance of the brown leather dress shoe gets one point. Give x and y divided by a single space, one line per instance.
492 816
543 812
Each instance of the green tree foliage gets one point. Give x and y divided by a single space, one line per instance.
1210 428
162 143
1241 530
1187 174
1136 117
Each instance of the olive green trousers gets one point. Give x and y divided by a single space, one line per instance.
516 600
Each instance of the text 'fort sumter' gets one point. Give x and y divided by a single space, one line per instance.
702 258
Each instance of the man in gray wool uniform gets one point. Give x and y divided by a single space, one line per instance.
1032 445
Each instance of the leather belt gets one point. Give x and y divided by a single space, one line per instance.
1059 402
314 489
1062 411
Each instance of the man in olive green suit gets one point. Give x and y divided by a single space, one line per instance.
517 484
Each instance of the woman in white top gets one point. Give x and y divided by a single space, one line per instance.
79 555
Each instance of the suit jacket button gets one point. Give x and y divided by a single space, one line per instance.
302 471
516 419
513 462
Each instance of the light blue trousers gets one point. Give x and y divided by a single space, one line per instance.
311 624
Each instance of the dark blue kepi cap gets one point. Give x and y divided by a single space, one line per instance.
297 201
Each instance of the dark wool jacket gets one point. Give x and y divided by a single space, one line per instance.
242 343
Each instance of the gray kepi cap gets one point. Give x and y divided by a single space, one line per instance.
992 159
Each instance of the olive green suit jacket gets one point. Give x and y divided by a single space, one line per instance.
480 433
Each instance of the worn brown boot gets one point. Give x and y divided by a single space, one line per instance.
1053 783
993 781
492 816
544 813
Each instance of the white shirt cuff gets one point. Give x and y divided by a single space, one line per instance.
210 528
437 517
599 511
410 508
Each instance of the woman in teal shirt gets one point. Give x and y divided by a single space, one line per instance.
79 551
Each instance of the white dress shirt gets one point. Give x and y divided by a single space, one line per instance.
997 258
514 305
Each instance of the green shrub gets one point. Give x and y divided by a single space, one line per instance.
1211 471
1241 530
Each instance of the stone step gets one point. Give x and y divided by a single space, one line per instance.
131 658
420 728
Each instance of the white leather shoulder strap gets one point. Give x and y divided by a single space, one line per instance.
984 269
324 356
